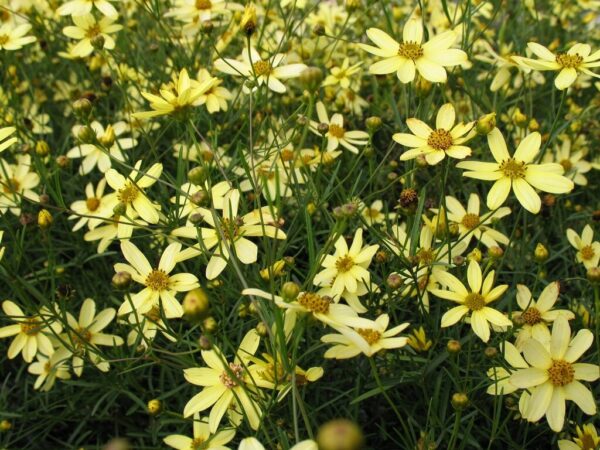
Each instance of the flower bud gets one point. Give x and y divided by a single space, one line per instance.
44 219
108 138
541 253
319 30
323 128
340 434
475 255
495 252
394 281
86 135
290 290
154 407
422 86
210 325
120 209
459 400
82 107
121 280
42 148
593 274
262 329
519 118
197 175
485 124
373 123
490 352
98 42
195 304
5 425
311 77
453 346
249 20
204 342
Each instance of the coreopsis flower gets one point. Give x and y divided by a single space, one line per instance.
419 341
83 7
86 29
85 334
347 266
500 376
446 139
411 55
572 161
336 133
373 214
110 143
12 36
225 384
17 182
341 74
268 71
554 376
365 336
32 333
587 439
228 233
473 301
251 443
588 250
181 94
578 59
160 287
95 208
49 368
202 438
472 224
517 172
130 191
216 96
536 315
4 134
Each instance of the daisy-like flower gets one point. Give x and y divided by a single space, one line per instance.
85 334
572 161
517 173
446 139
268 71
216 97
225 384
341 74
347 266
87 28
336 133
251 443
501 376
555 375
365 336
473 301
201 438
228 233
110 143
17 182
588 250
176 97
158 283
12 37
536 315
95 208
374 214
587 439
4 134
411 55
83 7
130 191
31 332
49 368
578 59
472 224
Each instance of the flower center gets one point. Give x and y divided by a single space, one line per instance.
336 131
11 186
272 373
410 50
569 61
512 168
425 256
532 316
567 165
4 38
92 204
157 280
588 441
315 303
31 326
128 194
262 68
474 301
440 139
231 227
561 373
80 337
470 221
371 336
203 4
230 378
93 31
344 264
587 252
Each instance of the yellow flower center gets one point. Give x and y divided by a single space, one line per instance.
336 131
371 336
470 221
561 373
513 169
4 38
588 441
440 139
567 165
80 337
474 301
587 252
272 373
92 204
128 194
31 326
93 31
47 367
262 68
203 4
231 227
266 172
230 378
157 280
11 186
198 444
344 264
314 302
569 61
531 316
410 50
425 256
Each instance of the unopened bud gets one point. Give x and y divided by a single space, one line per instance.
453 346
593 274
197 175
340 434
120 209
204 342
485 124
262 329
98 42
460 400
290 290
121 280
196 304
249 20
210 325
82 107
373 123
44 219
323 128
394 281
154 407
42 148
86 135
495 252
541 253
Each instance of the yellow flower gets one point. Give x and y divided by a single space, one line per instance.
226 384
501 376
4 133
579 58
554 376
95 208
17 182
49 368
159 284
472 301
83 7
202 437
418 340
588 250
119 227
517 173
12 36
411 55
86 29
446 139
336 133
587 439
251 443
215 97
341 75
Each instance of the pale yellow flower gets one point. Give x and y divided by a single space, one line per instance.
251 443
336 133
341 74
587 439
17 182
202 438
49 368
12 36
95 208
87 28
588 250
83 7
